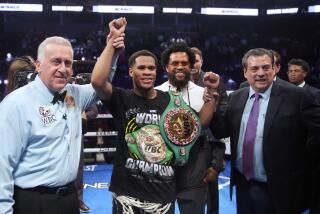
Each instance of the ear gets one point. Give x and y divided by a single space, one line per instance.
131 72
38 65
245 73
167 68
304 73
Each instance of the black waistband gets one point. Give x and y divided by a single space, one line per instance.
62 190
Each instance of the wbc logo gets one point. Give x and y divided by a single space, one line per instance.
46 116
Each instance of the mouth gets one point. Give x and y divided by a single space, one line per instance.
261 81
60 79
180 75
147 80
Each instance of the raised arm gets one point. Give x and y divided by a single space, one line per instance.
211 82
100 74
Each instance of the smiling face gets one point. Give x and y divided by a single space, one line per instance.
143 73
179 69
259 72
55 67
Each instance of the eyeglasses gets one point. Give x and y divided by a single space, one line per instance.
176 63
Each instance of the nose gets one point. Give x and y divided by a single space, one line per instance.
147 71
261 72
63 67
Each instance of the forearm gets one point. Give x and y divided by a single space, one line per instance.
6 187
100 74
206 112
114 65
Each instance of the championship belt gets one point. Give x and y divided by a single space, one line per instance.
147 144
180 127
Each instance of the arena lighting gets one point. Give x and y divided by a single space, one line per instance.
21 7
314 9
123 9
5 82
229 11
177 10
283 11
67 8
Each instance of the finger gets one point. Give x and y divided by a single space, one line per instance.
118 46
119 39
111 24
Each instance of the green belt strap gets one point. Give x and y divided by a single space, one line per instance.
180 127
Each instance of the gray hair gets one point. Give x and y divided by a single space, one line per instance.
256 52
52 40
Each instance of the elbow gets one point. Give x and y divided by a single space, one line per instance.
96 82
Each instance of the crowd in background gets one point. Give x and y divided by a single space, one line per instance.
223 44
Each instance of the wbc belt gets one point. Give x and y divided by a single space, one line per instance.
180 127
147 144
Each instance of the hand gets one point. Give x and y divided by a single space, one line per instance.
211 175
117 43
83 115
209 95
211 80
116 34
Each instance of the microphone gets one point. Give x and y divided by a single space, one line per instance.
64 116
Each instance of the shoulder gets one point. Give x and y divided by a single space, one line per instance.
79 89
18 100
239 92
163 87
283 82
195 88
244 84
311 88
291 92
162 94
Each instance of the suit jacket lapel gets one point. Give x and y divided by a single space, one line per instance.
273 106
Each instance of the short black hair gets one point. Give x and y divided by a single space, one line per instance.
177 47
300 62
135 55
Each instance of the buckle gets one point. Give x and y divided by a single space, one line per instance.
62 191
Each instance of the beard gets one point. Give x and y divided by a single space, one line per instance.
179 83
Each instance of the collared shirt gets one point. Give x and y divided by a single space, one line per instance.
301 84
40 141
259 170
192 94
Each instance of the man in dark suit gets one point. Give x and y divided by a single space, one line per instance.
277 67
298 69
269 125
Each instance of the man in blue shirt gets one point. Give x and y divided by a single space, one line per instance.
41 134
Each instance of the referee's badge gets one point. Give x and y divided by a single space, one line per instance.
46 116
